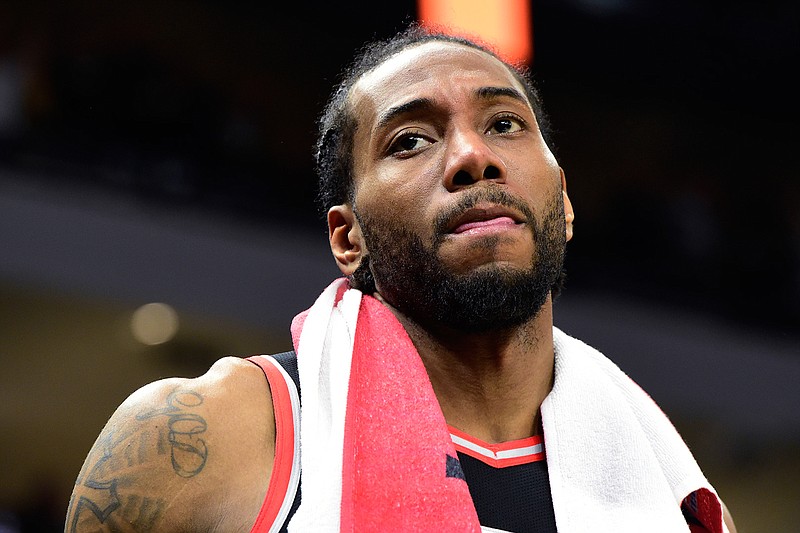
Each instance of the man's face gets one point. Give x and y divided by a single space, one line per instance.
458 197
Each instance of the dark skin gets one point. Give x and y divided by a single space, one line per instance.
462 131
197 454
181 455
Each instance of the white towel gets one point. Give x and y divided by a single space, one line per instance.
616 462
324 344
374 442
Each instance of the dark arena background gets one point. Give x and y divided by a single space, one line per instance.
157 212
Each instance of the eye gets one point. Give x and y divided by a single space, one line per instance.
507 124
409 142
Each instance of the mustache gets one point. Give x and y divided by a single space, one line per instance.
492 194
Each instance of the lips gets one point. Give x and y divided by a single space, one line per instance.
494 223
485 218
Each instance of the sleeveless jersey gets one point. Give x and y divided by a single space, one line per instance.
508 482
283 492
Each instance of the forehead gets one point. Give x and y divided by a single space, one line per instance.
430 70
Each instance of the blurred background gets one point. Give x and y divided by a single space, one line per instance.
157 212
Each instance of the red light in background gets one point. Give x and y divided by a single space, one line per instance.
503 24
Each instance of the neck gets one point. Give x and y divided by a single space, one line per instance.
489 384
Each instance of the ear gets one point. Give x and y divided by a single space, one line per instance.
569 214
344 234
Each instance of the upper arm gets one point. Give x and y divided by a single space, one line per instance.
151 446
163 456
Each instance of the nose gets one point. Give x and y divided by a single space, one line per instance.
471 159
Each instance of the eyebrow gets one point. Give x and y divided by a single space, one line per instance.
489 93
403 109
417 104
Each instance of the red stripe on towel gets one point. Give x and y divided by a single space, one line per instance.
394 464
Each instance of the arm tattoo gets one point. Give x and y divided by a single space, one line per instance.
189 452
108 476
100 482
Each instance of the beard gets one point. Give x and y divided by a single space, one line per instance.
413 279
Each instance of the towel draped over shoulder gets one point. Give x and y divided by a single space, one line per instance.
374 443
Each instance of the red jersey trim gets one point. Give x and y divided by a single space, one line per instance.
511 453
285 476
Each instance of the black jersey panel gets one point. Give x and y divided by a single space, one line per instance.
514 498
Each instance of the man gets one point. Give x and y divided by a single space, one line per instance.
435 392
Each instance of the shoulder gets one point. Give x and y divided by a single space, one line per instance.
171 454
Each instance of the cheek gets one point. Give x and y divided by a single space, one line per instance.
537 164
404 193
536 180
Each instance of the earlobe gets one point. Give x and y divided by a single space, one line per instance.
344 234
569 213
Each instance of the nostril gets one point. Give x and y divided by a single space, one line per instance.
462 177
491 172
